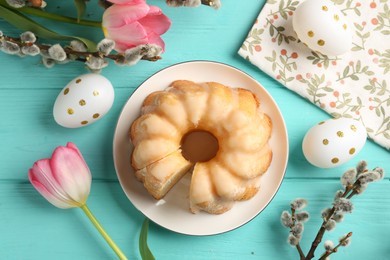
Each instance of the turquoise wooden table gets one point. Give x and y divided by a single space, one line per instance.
31 228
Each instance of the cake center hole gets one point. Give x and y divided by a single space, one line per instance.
199 146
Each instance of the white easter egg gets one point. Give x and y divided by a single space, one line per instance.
83 101
334 142
322 27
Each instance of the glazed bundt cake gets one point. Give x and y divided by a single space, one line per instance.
231 115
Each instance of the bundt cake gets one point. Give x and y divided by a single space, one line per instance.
231 115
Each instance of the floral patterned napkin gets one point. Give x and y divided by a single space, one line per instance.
354 85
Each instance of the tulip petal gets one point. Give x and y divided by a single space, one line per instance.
156 39
42 173
119 15
130 34
72 173
156 21
48 195
41 178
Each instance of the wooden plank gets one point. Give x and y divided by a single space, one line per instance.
33 229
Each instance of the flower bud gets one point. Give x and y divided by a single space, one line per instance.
57 53
10 47
64 179
16 3
32 50
28 37
105 46
96 63
78 46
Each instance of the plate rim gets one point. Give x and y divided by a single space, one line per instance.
240 71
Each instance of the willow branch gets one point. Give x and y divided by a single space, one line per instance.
81 55
317 240
334 250
301 254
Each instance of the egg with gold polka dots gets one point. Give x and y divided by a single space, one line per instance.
322 27
83 101
333 142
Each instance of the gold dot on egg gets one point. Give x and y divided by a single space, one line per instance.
321 42
310 33
335 160
96 93
66 91
78 81
321 123
96 115
340 134
324 8
352 151
84 122
70 111
353 128
345 26
82 102
336 17
325 141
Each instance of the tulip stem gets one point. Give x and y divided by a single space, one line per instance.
99 227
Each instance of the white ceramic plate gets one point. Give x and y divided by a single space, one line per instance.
173 211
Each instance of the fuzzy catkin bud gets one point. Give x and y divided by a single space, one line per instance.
346 239
132 56
380 171
10 47
302 216
343 205
328 244
16 3
78 46
292 240
368 177
57 53
330 225
297 229
216 4
105 46
188 3
325 213
28 37
338 217
361 167
298 204
152 50
348 177
361 188
286 219
96 63
338 194
32 50
49 63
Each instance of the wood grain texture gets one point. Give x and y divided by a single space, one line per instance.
33 229
30 228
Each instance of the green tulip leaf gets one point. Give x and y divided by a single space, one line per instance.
144 250
52 16
24 23
80 7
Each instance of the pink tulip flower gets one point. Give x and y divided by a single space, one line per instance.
130 23
65 181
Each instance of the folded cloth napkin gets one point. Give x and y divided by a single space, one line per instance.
354 85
